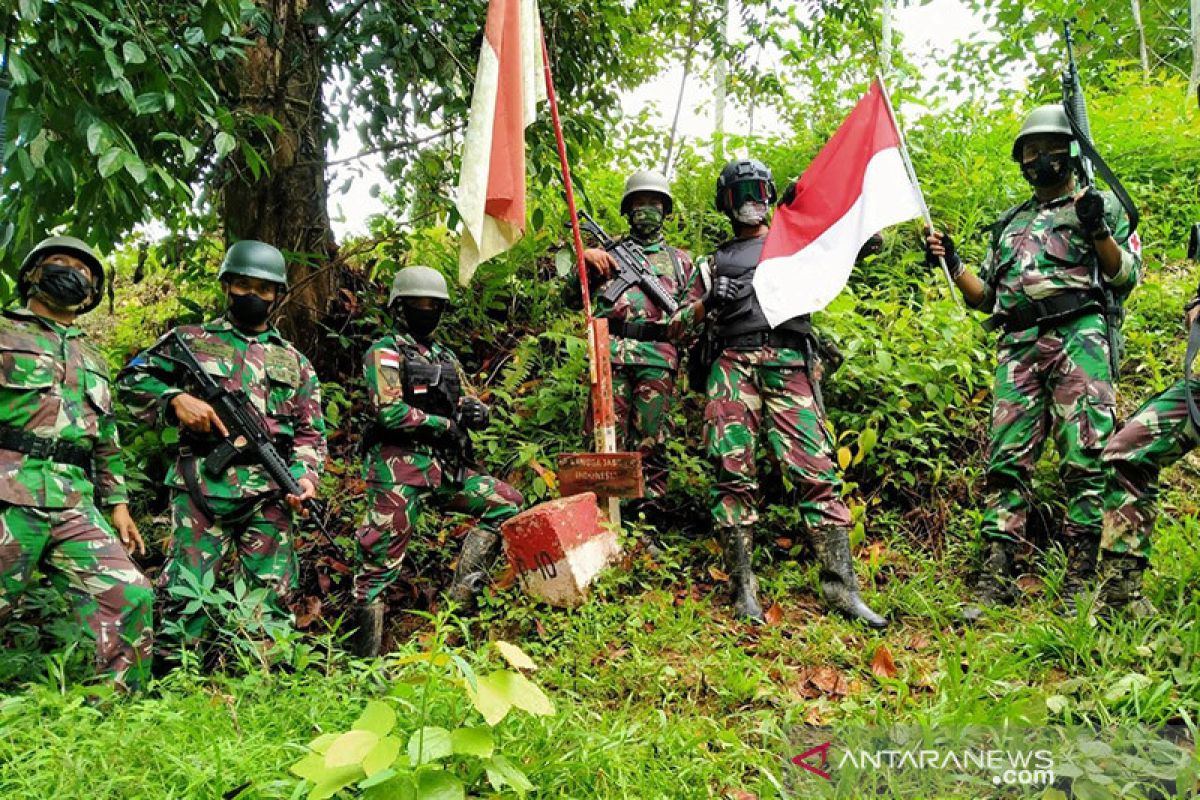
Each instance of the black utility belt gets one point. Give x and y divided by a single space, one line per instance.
1047 314
642 331
753 341
55 450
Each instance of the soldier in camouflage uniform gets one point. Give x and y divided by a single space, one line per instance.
646 340
240 510
1053 261
1158 435
763 387
418 451
59 458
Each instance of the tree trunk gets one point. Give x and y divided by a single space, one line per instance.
286 204
1143 51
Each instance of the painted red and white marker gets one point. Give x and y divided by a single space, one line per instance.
558 548
857 185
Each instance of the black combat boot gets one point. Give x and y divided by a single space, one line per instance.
994 586
367 639
839 584
738 544
1080 577
478 552
1121 586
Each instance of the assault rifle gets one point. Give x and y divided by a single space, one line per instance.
633 269
248 433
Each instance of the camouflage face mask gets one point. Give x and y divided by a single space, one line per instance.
645 223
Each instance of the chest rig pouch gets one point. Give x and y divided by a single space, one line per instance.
432 386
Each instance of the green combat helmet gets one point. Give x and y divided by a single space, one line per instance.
418 282
254 259
647 181
71 246
1051 119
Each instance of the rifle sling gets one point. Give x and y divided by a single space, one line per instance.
1193 348
1088 150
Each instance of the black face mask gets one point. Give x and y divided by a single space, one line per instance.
248 310
1047 170
63 287
421 322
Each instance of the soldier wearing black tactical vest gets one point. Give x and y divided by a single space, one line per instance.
764 383
416 452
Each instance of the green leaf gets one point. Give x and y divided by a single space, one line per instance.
312 767
111 162
135 168
429 744
350 748
489 700
224 144
439 785
189 150
95 132
334 782
1056 703
501 772
522 692
382 755
472 741
515 656
133 54
378 717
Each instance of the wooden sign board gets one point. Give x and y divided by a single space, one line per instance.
606 474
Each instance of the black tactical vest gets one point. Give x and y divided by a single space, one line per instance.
432 386
738 259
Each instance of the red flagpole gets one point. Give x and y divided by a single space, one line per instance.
600 365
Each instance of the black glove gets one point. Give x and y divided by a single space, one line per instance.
1089 207
725 290
953 262
474 413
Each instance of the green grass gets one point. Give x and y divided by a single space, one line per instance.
657 692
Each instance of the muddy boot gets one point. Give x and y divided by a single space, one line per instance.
994 586
839 584
367 639
1121 587
478 552
738 544
1080 577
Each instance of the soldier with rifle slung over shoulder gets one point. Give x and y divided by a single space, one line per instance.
223 494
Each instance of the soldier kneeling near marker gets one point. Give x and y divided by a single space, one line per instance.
417 449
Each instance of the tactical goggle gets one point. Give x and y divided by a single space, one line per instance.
745 191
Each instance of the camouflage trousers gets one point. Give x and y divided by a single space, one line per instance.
392 513
1058 386
1158 435
81 556
261 536
642 402
768 391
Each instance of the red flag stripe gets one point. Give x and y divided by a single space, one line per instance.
833 182
506 177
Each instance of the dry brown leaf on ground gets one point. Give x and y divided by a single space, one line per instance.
882 664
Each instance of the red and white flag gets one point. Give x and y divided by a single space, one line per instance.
856 186
508 85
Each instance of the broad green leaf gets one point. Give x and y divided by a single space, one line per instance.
334 781
95 134
515 656
1132 682
378 717
111 162
133 54
350 748
867 440
382 755
224 144
399 787
429 744
522 692
312 767
489 700
135 168
501 772
1056 703
439 785
472 741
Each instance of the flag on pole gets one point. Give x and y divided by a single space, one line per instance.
508 85
859 184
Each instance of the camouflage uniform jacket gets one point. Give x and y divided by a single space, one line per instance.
55 385
1042 251
682 283
399 462
277 378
